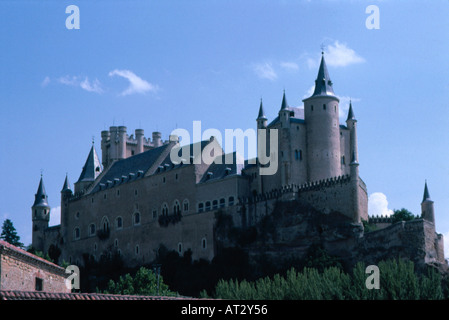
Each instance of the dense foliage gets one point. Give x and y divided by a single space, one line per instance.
398 281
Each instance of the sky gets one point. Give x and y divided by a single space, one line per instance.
160 65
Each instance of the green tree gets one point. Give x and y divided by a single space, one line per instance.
402 215
9 234
144 282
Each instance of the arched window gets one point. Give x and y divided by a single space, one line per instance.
137 250
200 207
136 218
207 205
164 209
185 205
76 233
92 229
215 205
204 243
176 207
119 223
231 201
222 202
105 224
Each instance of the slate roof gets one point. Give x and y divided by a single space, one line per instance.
323 83
40 198
221 170
91 168
129 169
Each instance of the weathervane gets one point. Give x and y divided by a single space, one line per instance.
322 48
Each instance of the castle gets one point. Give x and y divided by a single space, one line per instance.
138 198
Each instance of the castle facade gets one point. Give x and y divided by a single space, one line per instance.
137 198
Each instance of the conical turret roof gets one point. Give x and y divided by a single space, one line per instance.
41 198
92 167
261 115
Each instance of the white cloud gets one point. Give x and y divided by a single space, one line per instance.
95 86
378 205
69 80
136 84
45 82
55 216
336 55
339 55
76 81
289 66
265 71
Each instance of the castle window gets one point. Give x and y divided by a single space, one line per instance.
164 209
231 201
176 207
185 205
163 180
105 196
105 224
116 243
39 284
154 213
204 243
296 154
118 193
200 207
324 106
76 233
137 250
95 247
92 200
179 247
335 108
176 177
311 107
77 215
343 160
222 202
135 192
92 229
215 205
136 218
207 205
119 223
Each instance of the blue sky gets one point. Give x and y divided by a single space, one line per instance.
160 65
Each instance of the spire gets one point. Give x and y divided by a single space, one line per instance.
92 167
66 186
350 112
426 193
261 115
40 198
323 83
284 104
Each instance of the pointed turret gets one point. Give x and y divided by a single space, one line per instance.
40 215
261 118
427 209
66 186
323 83
284 104
426 195
351 113
92 167
91 170
41 198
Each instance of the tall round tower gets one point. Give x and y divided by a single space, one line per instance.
40 215
322 129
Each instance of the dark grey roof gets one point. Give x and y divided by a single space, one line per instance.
40 198
323 83
261 115
284 104
426 193
66 186
350 112
129 169
222 170
92 167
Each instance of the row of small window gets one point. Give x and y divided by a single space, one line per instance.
137 247
324 107
298 154
215 204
